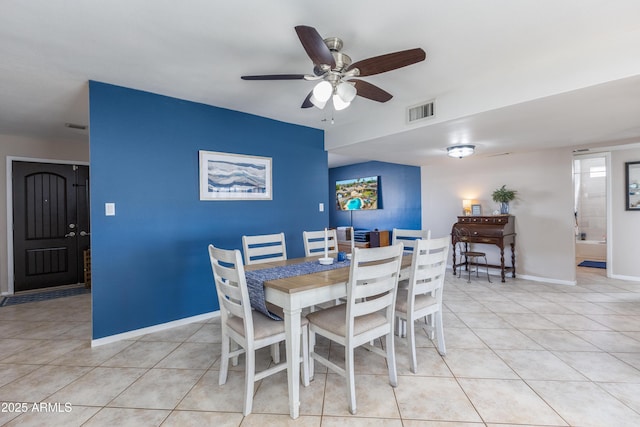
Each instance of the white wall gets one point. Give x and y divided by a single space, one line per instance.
625 224
545 247
543 208
13 146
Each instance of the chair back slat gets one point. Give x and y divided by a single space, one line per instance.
264 248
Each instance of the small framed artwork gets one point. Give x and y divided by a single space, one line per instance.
632 186
476 210
226 176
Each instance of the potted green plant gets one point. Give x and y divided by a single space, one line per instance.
503 196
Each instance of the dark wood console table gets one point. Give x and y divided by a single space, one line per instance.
496 230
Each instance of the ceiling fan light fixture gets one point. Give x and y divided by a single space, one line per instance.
346 91
323 90
316 102
460 151
338 103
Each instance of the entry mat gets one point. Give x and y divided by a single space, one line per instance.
594 264
42 296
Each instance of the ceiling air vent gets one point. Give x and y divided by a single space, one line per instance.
75 126
420 112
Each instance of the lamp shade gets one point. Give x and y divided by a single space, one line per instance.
316 102
338 103
323 90
346 91
466 206
460 151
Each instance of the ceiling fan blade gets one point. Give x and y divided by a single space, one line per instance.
307 101
369 91
314 46
275 77
388 62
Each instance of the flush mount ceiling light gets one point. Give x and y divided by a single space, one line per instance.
460 151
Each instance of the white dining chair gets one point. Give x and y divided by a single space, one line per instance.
423 296
247 328
264 248
408 237
314 242
367 315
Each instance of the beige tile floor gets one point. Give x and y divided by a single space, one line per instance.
520 353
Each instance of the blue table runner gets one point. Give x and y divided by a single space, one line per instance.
256 279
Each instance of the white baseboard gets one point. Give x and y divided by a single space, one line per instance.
547 280
493 272
155 328
629 278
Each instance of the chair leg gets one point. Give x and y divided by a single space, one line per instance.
487 265
428 320
442 349
411 336
305 356
312 348
275 352
224 360
234 346
350 376
249 380
391 360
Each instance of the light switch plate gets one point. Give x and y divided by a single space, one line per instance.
110 209
321 207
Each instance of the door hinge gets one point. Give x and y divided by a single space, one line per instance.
75 167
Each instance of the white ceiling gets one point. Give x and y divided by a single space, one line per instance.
506 75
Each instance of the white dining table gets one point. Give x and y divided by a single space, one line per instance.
293 294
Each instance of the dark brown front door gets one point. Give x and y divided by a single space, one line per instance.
50 224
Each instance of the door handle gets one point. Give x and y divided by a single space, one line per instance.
84 233
70 234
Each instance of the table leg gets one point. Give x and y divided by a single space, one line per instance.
454 259
513 259
292 330
502 263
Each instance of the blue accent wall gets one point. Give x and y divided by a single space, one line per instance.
399 192
149 262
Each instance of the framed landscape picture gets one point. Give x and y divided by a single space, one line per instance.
226 176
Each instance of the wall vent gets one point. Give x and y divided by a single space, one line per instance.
421 112
75 126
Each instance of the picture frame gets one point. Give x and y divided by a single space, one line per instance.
227 176
632 186
476 210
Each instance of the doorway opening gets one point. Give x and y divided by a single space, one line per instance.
591 184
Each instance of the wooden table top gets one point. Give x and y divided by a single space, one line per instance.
311 281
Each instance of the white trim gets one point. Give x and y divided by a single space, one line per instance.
548 280
155 328
10 160
495 272
629 278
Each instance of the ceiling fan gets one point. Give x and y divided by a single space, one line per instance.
336 73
